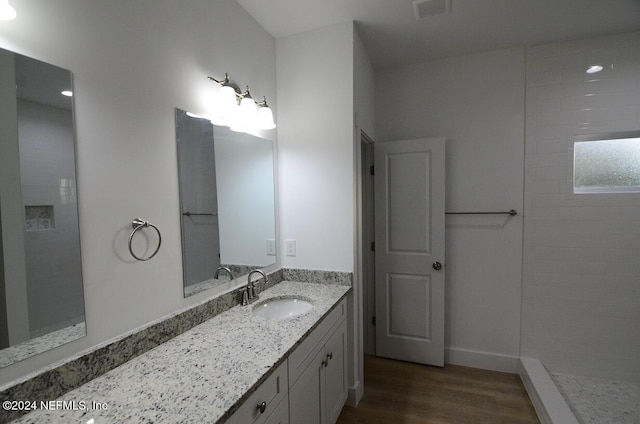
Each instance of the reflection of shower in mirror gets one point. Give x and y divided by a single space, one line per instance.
42 302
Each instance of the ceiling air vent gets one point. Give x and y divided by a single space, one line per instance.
425 8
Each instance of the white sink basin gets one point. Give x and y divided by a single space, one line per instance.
280 308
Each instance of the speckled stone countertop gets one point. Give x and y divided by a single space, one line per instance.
203 375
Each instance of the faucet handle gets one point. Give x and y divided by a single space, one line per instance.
245 295
251 292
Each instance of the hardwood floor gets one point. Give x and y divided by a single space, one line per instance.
398 392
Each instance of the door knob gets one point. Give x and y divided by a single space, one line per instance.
437 266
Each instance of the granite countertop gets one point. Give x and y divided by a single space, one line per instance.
201 375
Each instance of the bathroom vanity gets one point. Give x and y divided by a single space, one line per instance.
310 386
236 368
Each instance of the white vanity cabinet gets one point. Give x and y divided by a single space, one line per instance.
318 372
310 386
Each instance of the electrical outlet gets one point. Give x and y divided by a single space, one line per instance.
271 247
291 247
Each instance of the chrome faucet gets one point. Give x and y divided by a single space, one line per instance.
223 268
249 293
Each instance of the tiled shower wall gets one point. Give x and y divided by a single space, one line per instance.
47 176
581 274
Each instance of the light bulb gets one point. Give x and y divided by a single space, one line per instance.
247 114
265 118
224 106
7 13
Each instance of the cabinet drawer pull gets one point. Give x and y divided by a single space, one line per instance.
325 363
330 355
262 406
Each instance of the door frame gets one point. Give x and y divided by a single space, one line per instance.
367 219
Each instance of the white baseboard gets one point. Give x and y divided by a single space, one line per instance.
547 400
354 394
483 360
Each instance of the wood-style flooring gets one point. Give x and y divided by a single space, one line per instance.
398 392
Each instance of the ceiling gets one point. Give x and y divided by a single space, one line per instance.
392 36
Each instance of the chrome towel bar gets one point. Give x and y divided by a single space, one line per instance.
194 214
137 224
511 212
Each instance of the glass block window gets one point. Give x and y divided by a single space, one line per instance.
607 164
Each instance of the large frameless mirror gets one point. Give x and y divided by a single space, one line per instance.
227 206
41 295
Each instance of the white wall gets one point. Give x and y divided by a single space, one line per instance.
477 103
363 91
133 63
324 80
315 142
244 172
581 292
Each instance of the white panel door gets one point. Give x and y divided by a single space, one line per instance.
409 207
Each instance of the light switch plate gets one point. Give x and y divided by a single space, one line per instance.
291 247
271 247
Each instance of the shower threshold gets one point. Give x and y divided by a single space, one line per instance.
570 399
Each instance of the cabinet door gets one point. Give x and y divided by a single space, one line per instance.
305 401
335 374
300 358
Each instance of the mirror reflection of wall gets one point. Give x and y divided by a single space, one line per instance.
198 199
229 175
41 275
246 199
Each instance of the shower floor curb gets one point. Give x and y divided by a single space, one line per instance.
545 396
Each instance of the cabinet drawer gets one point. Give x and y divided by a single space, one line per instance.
306 351
271 391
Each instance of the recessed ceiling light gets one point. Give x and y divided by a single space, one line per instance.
67 93
594 69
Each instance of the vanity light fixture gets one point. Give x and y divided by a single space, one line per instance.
7 13
67 93
238 110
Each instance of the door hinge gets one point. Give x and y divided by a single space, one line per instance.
372 170
373 321
373 246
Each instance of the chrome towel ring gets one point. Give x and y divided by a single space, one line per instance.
137 224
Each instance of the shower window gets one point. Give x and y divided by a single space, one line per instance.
607 163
